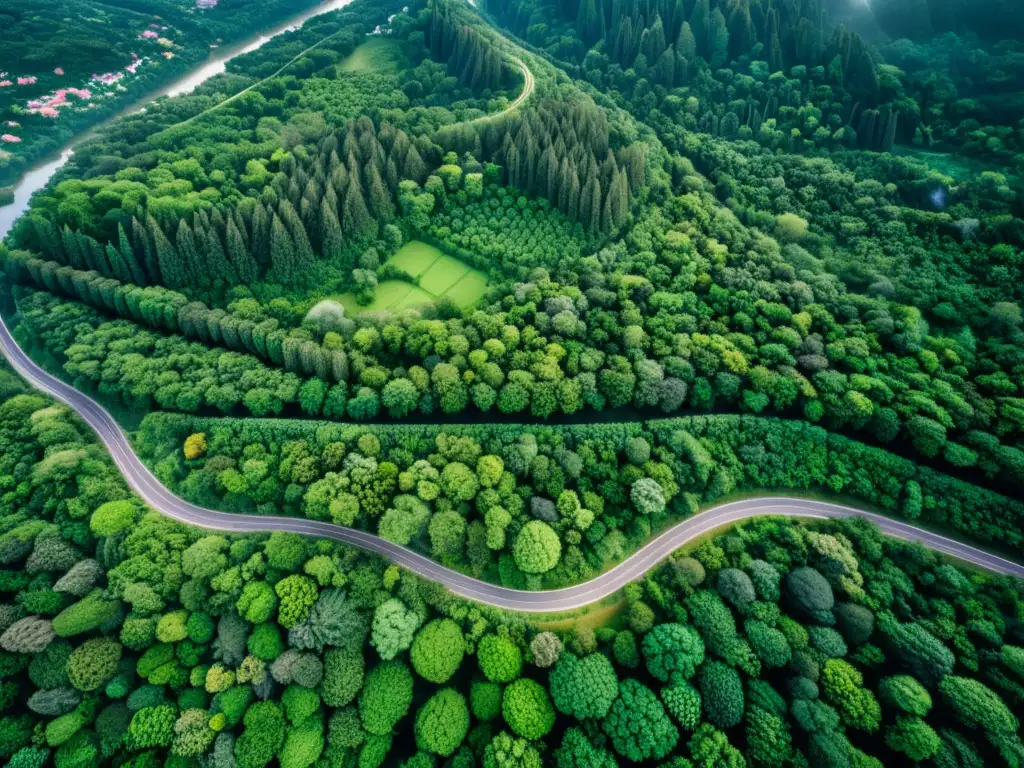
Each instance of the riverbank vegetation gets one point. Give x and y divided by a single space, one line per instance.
67 65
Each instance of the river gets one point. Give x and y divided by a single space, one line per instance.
37 177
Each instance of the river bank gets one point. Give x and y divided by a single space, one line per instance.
39 175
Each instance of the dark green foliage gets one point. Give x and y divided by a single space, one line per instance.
637 724
583 688
722 694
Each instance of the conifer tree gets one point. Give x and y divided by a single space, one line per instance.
332 243
124 246
244 264
282 251
192 262
171 265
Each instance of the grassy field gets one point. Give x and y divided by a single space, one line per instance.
437 273
380 54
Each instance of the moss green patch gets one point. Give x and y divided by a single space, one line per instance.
438 275
469 289
381 54
415 257
442 275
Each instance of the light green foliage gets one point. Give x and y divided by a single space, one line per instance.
257 602
385 697
507 751
152 727
263 735
442 723
437 650
343 676
527 709
843 688
113 517
537 548
393 628
93 663
499 658
297 594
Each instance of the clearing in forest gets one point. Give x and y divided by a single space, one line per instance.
381 54
438 275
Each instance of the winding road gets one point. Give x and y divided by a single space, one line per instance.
142 481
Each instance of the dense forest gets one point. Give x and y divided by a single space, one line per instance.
518 287
67 65
128 639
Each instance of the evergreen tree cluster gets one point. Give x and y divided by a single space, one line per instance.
472 58
562 151
319 207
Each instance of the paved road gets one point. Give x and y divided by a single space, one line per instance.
161 499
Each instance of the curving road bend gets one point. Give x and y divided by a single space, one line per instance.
142 481
529 83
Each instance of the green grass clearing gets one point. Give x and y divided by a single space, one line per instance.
442 275
381 54
438 275
415 257
469 289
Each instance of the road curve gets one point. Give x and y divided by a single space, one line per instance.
142 481
529 83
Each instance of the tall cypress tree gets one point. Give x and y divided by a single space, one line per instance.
282 251
171 265
124 247
244 264
193 263
332 243
142 243
71 248
304 258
